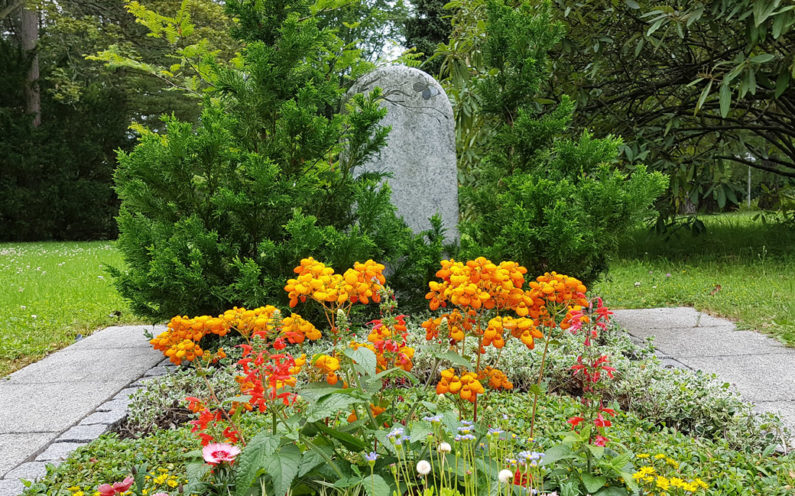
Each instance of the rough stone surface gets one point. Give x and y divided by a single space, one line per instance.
82 365
420 151
53 408
114 405
16 448
125 393
28 471
118 337
156 371
11 487
83 433
106 418
760 368
57 452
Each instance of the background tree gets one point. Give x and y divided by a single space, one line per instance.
536 195
697 88
428 25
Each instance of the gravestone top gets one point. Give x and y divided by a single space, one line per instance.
420 150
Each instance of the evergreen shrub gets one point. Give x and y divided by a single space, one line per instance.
546 200
216 215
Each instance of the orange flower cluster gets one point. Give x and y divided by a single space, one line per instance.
496 378
329 366
555 289
522 328
480 284
392 355
316 281
467 386
180 342
457 326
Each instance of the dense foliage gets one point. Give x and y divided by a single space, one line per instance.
537 196
701 90
427 27
215 215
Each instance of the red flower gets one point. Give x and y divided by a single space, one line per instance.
521 479
600 421
117 487
600 441
575 421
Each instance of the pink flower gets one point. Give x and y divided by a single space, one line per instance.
219 452
160 494
117 487
599 441
106 490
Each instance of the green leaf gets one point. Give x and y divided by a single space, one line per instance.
420 430
253 459
557 453
611 491
762 58
350 442
593 483
703 97
782 83
283 467
452 357
632 4
597 451
329 406
316 455
364 358
725 99
375 485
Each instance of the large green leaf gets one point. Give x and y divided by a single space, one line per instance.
593 483
557 453
725 99
330 405
351 442
283 467
375 485
253 459
364 358
452 357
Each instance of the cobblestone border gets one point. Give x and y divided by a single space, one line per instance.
93 425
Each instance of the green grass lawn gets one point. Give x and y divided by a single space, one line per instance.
51 292
740 269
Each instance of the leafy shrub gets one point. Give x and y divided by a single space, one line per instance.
549 202
215 216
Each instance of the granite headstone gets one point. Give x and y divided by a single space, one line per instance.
420 151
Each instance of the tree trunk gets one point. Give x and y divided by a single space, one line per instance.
29 34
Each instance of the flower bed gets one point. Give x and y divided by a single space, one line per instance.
393 406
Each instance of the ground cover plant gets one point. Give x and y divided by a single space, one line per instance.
740 268
349 416
52 294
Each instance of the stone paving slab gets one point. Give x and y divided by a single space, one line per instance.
16 448
75 366
760 368
755 377
684 342
48 409
54 407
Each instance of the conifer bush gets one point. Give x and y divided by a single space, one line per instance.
540 197
217 214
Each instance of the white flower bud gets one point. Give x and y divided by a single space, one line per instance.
444 448
423 467
505 476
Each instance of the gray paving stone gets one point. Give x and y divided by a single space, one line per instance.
58 452
710 341
118 337
663 318
156 371
113 405
755 377
28 471
75 365
16 448
83 433
53 408
125 393
104 417
11 487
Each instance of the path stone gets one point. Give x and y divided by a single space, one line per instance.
42 404
420 151
758 367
